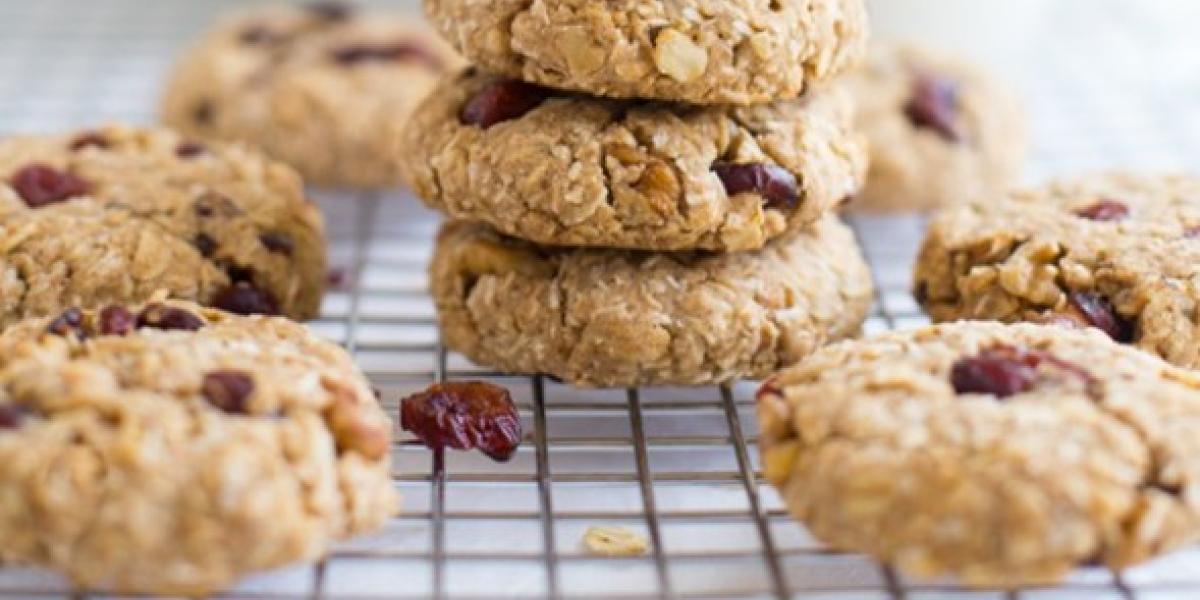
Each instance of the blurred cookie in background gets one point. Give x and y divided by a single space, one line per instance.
323 87
940 129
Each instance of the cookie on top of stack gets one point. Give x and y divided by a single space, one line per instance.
648 186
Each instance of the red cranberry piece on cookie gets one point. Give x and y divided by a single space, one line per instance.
243 298
116 320
11 416
228 390
40 185
70 321
1099 313
775 184
934 105
1001 371
1104 210
161 316
187 150
501 101
464 415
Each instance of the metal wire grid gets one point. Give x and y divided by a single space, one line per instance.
679 465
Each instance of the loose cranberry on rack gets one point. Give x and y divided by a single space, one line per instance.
464 415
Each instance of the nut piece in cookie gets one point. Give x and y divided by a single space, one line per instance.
114 214
179 450
1114 251
1004 455
940 130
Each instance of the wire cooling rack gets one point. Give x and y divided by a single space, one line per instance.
1108 83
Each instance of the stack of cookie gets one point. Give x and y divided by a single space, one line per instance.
644 189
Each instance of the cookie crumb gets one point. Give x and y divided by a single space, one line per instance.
613 540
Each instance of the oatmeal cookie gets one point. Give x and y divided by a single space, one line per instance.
940 130
1115 251
619 318
321 88
117 213
564 169
170 448
695 51
1002 454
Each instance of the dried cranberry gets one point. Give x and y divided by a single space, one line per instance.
243 298
89 138
1100 314
10 416
189 149
501 101
279 243
205 244
330 11
398 51
1104 210
1003 371
769 387
257 34
161 316
40 185
70 321
228 390
1191 231
464 415
934 105
775 184
116 320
